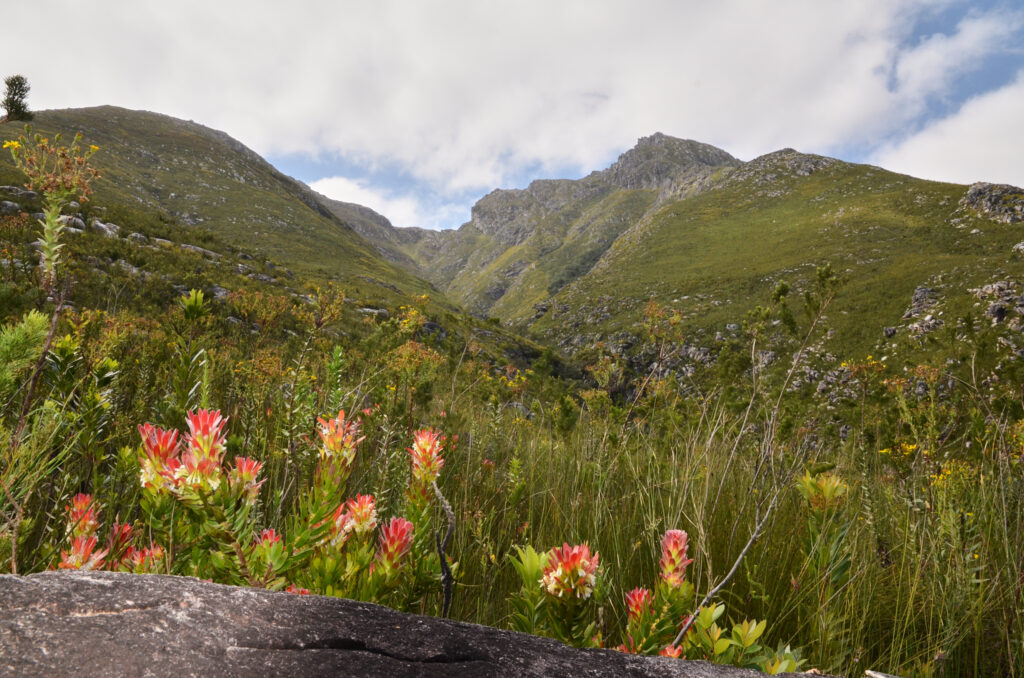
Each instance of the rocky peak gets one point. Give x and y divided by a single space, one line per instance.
661 162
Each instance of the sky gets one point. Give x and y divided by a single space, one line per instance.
418 108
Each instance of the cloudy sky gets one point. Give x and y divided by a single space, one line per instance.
418 108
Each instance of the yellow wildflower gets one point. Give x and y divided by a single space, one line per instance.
12 144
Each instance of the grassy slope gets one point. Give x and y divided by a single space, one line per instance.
201 177
884 233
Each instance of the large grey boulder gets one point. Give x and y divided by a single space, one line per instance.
112 624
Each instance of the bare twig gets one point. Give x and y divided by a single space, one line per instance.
446 572
735 566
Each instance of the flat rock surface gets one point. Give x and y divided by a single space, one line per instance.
112 624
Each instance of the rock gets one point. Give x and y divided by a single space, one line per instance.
1018 248
999 202
381 313
72 207
8 207
127 267
109 230
997 312
73 222
138 237
117 624
732 327
162 242
201 251
923 299
261 277
889 332
431 328
218 292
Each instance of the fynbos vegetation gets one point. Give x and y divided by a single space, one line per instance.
164 411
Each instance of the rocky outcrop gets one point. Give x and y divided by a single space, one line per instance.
999 202
113 624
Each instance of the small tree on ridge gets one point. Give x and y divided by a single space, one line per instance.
14 99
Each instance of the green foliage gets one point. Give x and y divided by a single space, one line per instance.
15 92
20 346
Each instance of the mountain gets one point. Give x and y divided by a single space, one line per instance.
574 262
155 168
188 206
522 246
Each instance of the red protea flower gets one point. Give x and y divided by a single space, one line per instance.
204 451
395 542
356 516
81 556
119 544
205 438
672 651
292 588
628 647
145 560
571 571
243 476
638 601
82 521
426 455
673 558
269 537
340 438
158 443
362 514
159 461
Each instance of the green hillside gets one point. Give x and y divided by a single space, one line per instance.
155 168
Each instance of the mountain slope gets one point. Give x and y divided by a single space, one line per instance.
575 262
199 177
521 246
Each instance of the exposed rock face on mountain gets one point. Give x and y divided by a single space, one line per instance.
112 624
999 202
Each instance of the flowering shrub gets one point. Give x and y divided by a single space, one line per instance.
204 514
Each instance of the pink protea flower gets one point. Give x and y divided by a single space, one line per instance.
81 556
673 557
638 601
82 521
571 571
340 437
675 651
243 476
395 542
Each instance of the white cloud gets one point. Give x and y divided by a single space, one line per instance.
467 95
980 142
401 210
